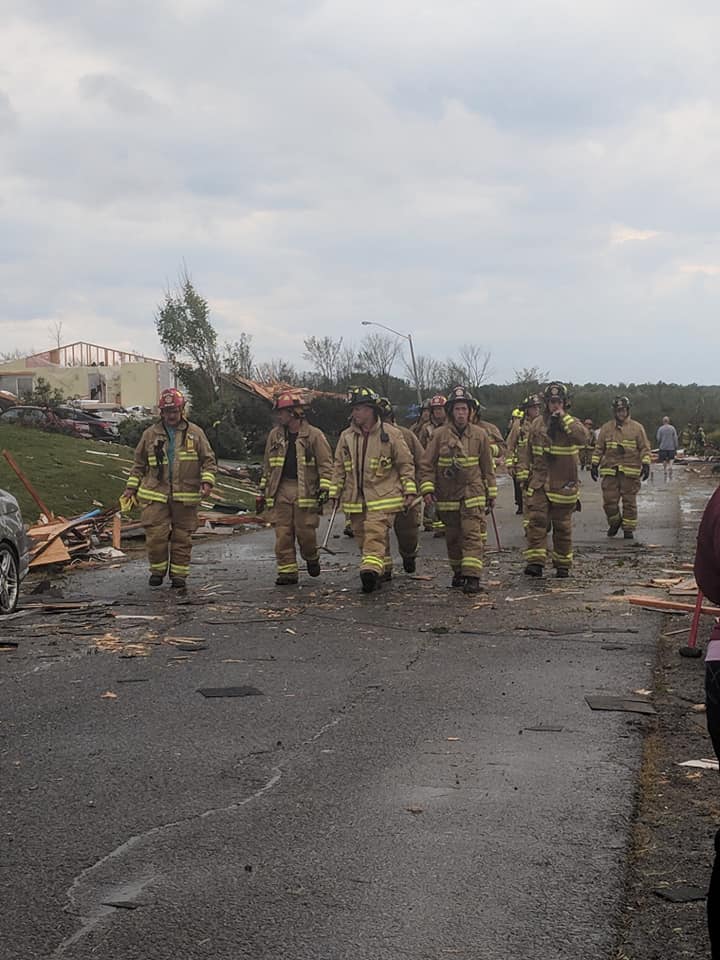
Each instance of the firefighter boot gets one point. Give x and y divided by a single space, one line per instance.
313 568
409 564
286 580
458 579
156 580
534 570
614 526
178 583
562 573
471 585
628 534
370 581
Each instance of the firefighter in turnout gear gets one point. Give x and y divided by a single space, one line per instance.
295 483
511 442
437 419
174 467
586 452
457 475
622 458
517 450
374 478
552 492
423 417
407 521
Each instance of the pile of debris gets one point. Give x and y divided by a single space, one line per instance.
96 533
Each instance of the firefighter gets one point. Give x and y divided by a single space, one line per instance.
423 417
437 418
511 442
622 458
174 467
374 478
295 483
552 487
407 521
517 450
586 451
458 476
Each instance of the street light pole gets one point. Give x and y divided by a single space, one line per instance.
405 336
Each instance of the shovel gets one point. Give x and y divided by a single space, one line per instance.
324 545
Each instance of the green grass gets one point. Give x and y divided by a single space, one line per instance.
53 465
70 480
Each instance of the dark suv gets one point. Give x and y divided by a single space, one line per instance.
44 419
99 428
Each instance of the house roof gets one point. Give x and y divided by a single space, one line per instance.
268 391
83 354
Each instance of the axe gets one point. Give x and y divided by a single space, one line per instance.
324 545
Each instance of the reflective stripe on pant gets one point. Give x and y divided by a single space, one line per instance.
406 530
372 532
542 514
293 523
464 539
615 489
168 535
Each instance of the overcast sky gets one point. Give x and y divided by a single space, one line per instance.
539 177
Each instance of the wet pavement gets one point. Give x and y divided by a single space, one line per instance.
417 774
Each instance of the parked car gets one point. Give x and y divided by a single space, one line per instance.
99 427
44 418
14 552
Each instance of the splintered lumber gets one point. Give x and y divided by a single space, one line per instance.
28 486
655 604
54 551
228 520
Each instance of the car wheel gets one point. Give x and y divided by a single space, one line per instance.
9 579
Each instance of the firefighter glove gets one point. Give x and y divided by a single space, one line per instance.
645 471
259 504
594 471
323 497
127 503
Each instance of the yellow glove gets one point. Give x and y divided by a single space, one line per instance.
126 504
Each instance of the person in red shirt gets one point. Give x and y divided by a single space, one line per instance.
707 575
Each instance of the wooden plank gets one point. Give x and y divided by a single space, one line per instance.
55 552
28 486
116 531
655 604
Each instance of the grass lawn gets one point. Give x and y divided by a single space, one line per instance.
74 476
67 477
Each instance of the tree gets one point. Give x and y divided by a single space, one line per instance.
276 370
431 374
530 378
237 357
324 355
377 356
6 357
43 395
475 362
185 331
55 331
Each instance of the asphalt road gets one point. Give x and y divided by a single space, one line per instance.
417 774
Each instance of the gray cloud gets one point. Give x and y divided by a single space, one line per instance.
8 117
544 185
117 94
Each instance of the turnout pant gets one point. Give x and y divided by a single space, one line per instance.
544 516
372 532
406 530
464 529
293 523
621 488
168 536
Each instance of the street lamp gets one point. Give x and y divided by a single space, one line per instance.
405 336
